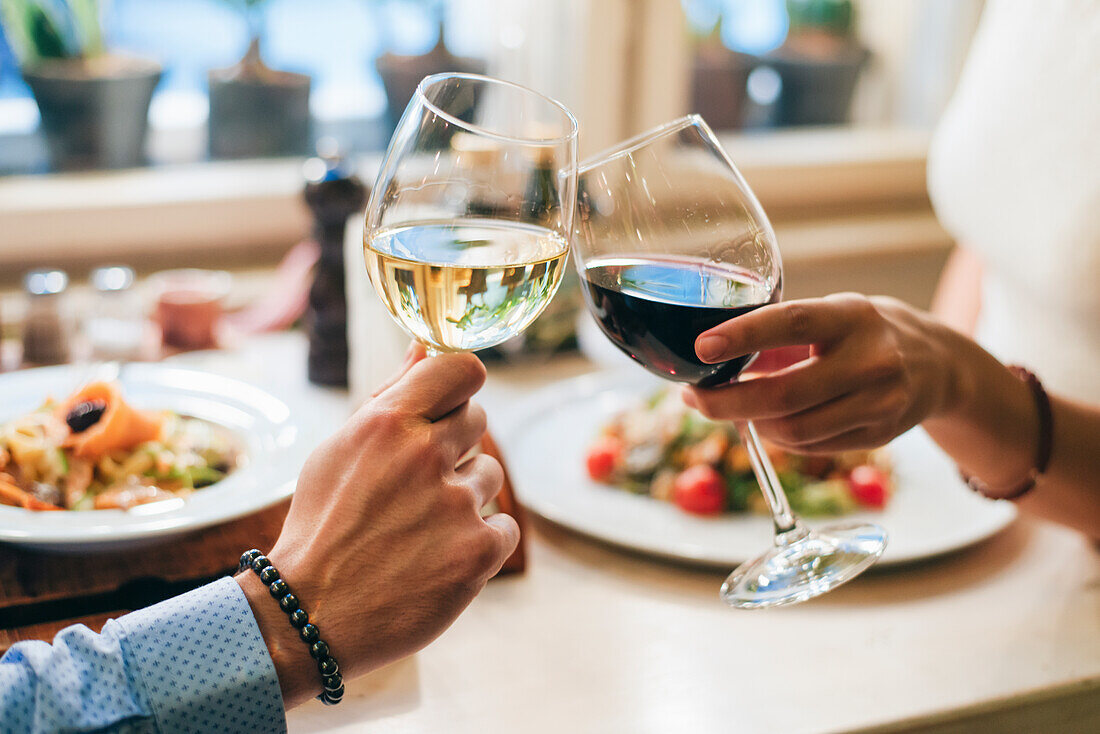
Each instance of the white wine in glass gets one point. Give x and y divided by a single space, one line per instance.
459 286
467 228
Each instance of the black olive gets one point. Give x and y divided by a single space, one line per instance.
85 415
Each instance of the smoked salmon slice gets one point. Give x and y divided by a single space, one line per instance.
120 427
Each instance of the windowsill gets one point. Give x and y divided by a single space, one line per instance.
799 173
829 192
177 134
199 208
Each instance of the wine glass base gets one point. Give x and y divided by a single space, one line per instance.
805 567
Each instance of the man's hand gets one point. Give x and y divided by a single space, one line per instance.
384 543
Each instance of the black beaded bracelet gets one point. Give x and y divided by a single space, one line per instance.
331 680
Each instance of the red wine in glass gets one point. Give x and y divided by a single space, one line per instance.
654 308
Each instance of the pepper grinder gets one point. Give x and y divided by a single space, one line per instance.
333 194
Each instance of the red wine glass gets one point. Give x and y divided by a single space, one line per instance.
670 242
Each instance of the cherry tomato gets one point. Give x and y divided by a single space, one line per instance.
869 486
602 458
700 490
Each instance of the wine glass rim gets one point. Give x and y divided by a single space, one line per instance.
478 129
640 140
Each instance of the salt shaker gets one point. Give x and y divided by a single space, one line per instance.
46 329
115 326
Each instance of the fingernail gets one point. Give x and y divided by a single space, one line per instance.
711 347
689 398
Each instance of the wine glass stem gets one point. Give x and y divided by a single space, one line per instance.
785 520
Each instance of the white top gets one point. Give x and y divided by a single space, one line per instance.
1014 174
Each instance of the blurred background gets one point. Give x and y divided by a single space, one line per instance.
176 133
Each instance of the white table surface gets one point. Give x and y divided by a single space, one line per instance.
1002 637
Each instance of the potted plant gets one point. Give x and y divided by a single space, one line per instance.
819 63
257 111
400 74
718 77
94 105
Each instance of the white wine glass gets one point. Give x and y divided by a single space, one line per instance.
467 229
670 242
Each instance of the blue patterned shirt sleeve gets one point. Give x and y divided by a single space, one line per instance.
195 663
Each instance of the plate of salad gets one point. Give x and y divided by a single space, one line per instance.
617 456
660 448
150 452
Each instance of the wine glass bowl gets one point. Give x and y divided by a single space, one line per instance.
670 242
467 228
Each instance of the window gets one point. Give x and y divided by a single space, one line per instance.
765 64
621 65
335 42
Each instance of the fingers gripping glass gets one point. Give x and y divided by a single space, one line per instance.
467 228
670 242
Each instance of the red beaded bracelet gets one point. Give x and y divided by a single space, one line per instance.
1042 453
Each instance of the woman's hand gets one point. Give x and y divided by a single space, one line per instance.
875 368
384 543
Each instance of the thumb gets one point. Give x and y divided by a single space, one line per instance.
413 354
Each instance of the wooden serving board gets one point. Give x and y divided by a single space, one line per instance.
42 593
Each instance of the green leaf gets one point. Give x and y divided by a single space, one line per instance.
34 31
203 476
830 497
45 35
86 18
655 399
739 488
15 15
833 16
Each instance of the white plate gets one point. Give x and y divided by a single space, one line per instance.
931 513
275 449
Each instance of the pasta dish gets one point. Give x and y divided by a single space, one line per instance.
94 451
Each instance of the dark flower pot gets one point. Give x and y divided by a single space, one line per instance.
718 80
817 90
257 111
259 117
95 114
401 74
